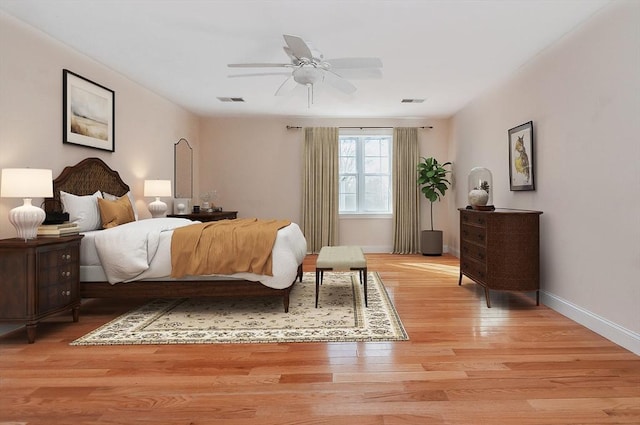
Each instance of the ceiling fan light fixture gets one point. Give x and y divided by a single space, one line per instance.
307 75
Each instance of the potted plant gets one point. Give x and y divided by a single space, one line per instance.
432 177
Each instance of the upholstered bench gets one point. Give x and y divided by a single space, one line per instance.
341 258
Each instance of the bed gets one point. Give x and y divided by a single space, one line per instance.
92 175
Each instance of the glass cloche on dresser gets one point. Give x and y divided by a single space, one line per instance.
480 189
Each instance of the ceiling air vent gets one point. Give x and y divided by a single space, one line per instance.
412 100
231 99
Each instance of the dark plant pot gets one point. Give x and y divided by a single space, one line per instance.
431 242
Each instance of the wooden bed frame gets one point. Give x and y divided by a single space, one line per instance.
92 174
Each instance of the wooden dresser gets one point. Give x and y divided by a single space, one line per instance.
208 216
500 250
38 278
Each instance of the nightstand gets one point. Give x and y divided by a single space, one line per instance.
39 278
208 216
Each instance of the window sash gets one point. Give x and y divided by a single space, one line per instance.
365 162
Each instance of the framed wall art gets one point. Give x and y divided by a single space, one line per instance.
521 159
88 112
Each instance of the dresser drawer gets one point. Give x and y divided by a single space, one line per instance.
473 218
479 252
476 235
474 269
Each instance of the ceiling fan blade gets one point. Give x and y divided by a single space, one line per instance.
339 83
361 73
288 85
350 63
259 74
259 65
298 47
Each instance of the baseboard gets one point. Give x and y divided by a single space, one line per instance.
383 249
373 249
613 332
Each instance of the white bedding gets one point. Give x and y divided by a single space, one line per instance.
142 250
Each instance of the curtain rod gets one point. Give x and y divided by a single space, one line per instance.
292 127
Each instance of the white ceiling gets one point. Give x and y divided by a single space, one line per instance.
447 52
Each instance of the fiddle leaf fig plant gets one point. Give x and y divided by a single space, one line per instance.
432 177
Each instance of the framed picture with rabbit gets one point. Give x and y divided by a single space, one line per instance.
521 159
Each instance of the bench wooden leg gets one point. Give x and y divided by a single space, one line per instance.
317 285
366 303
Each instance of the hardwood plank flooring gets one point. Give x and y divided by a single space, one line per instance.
514 363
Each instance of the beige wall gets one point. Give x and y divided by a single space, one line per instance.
146 125
255 166
583 96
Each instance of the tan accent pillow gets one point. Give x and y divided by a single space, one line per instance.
115 213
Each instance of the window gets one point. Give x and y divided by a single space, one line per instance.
365 173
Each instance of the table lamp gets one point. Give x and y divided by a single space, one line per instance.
26 183
157 188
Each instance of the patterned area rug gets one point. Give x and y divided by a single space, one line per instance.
340 317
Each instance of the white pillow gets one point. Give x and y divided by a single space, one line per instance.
110 197
83 210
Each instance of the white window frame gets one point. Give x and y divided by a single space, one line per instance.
360 175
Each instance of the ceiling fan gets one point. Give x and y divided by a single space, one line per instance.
310 68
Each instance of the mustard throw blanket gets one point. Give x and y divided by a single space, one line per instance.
224 247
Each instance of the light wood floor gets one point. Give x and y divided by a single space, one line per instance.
465 364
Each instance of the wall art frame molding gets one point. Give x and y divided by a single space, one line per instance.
88 113
521 157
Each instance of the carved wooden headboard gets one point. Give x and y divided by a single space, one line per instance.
85 178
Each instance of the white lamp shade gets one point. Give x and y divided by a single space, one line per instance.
157 188
26 183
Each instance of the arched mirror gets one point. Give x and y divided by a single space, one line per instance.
183 169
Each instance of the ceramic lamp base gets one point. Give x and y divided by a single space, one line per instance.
26 219
157 208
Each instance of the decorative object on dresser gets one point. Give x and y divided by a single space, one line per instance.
432 177
26 183
157 189
208 216
39 278
181 206
480 187
88 113
500 250
521 159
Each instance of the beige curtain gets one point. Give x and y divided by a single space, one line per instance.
320 187
406 193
